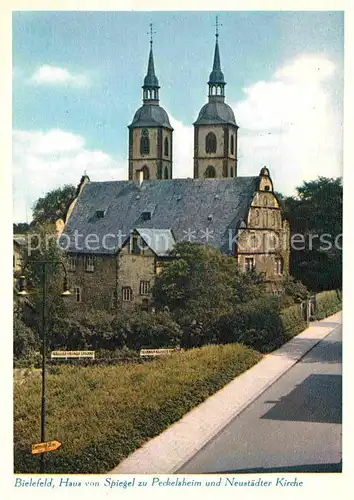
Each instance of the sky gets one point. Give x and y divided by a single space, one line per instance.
77 80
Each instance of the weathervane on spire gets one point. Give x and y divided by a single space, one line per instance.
217 26
151 33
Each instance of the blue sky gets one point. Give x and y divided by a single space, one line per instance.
77 80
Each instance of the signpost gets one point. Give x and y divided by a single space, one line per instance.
158 352
44 447
72 354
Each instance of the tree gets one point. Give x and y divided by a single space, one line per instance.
316 214
42 245
20 228
53 205
201 283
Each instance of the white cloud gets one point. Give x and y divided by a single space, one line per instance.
51 75
291 124
43 161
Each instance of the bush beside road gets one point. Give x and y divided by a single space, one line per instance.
103 413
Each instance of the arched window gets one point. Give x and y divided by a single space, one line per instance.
232 145
166 147
210 143
166 173
144 142
146 173
231 172
210 172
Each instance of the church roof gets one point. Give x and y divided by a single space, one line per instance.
150 115
151 80
215 112
196 210
216 76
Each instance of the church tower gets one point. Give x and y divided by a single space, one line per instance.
150 133
215 130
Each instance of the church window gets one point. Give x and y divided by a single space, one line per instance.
210 143
144 142
166 173
232 144
166 148
231 172
210 172
127 294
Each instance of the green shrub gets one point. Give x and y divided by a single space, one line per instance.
327 303
256 324
103 413
25 340
293 322
99 331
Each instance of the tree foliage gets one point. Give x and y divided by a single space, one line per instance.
202 283
316 214
53 205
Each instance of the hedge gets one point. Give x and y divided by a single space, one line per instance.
103 413
293 322
327 303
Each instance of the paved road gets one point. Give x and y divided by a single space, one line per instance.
294 426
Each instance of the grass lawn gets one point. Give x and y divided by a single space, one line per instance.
103 413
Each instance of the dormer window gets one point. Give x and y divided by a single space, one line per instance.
100 214
146 215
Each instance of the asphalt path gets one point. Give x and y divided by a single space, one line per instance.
294 426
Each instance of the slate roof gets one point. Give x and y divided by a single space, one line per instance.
216 76
215 112
190 208
150 115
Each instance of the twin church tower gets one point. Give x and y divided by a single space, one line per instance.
215 131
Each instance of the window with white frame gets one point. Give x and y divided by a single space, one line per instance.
89 263
77 293
127 294
72 261
144 287
278 266
249 264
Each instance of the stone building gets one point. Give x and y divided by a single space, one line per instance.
118 233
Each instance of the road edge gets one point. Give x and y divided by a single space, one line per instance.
174 447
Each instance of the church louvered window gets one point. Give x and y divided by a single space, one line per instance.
232 145
144 142
210 172
210 143
166 147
